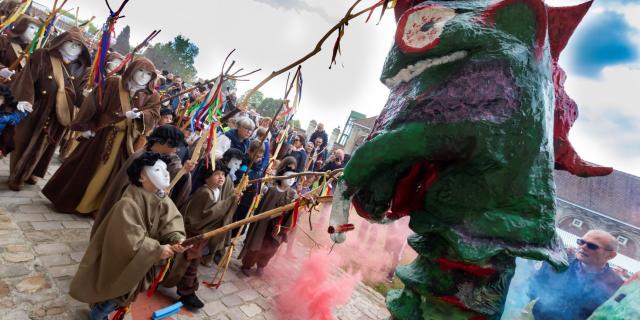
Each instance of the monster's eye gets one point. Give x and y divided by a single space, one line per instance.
419 28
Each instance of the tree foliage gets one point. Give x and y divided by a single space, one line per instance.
122 45
176 56
255 100
269 106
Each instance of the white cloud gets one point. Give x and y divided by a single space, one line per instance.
608 129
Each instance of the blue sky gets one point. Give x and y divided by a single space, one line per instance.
604 40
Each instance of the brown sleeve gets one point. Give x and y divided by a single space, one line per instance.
5 49
87 117
151 112
215 212
171 228
23 86
80 85
181 191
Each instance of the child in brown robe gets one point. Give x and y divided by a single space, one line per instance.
143 228
209 208
264 237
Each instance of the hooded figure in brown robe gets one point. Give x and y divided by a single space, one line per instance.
50 83
264 237
70 141
111 125
12 44
209 208
144 228
15 41
7 8
113 61
163 140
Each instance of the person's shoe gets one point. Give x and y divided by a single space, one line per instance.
206 261
192 301
260 272
246 271
15 186
217 257
32 180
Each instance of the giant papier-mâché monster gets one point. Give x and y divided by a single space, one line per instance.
465 147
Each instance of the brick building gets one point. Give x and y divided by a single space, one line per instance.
610 203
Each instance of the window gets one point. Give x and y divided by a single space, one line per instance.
576 223
622 240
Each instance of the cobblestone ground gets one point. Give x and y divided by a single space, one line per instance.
40 251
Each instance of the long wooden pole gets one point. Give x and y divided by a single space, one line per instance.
343 22
331 174
262 216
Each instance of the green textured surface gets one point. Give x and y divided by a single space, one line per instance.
627 308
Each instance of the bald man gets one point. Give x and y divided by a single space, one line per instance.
589 281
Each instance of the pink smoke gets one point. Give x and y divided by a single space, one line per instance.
313 294
369 249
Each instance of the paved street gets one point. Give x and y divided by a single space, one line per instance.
40 251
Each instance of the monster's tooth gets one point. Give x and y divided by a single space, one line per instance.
339 211
411 71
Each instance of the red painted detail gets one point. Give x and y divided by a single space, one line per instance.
539 9
341 228
453 300
411 189
475 270
565 114
402 26
360 208
562 22
478 318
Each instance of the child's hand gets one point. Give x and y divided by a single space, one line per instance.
238 195
179 248
167 252
189 165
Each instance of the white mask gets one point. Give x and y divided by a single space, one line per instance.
141 77
289 181
70 50
158 175
233 165
28 35
112 65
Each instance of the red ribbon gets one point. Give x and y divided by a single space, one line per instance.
120 313
156 282
296 212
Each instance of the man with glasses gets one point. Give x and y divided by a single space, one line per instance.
578 291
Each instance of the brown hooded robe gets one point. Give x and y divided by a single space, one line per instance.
7 8
11 44
262 230
202 214
120 259
80 183
37 136
113 193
